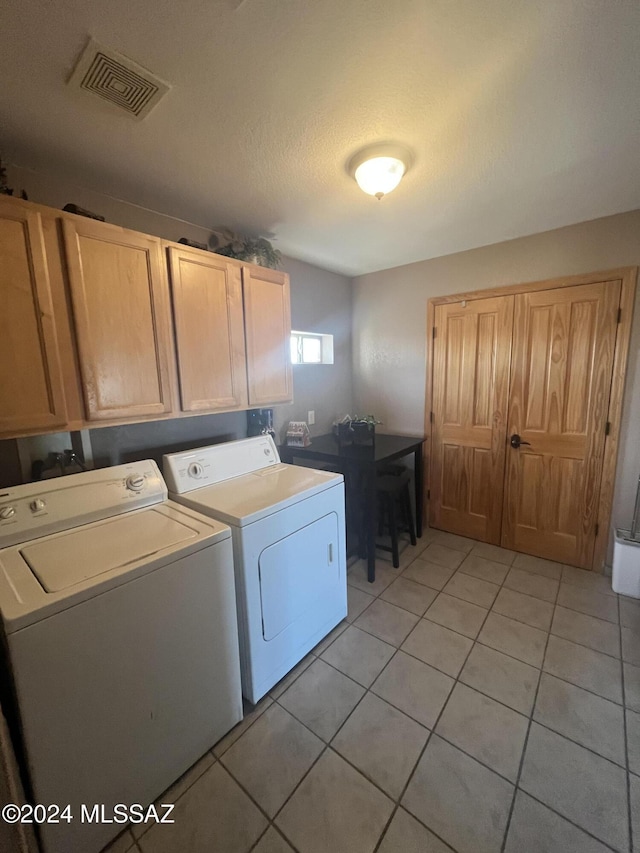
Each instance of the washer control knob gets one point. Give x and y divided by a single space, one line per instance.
37 505
195 469
134 482
7 512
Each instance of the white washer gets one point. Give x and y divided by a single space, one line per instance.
288 533
118 610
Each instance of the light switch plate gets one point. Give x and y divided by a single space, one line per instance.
311 417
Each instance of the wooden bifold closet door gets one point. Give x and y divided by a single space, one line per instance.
521 387
563 348
471 353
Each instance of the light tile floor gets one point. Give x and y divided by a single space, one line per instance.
474 700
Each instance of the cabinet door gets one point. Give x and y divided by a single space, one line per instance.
122 316
31 388
207 306
267 322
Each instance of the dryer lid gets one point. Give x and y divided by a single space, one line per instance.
85 553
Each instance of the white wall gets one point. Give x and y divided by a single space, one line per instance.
389 322
320 302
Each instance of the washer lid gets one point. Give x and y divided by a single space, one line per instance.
88 552
94 559
251 497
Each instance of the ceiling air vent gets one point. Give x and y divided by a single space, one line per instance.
117 79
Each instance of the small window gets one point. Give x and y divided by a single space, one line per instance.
311 348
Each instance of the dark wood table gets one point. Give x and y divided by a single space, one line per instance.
365 460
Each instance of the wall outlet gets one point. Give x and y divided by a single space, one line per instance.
311 417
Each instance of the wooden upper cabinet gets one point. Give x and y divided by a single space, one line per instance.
267 320
31 388
122 318
206 292
91 316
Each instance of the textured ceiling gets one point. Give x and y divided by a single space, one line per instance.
523 115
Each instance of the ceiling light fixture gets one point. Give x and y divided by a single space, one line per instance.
378 169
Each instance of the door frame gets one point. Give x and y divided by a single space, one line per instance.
628 277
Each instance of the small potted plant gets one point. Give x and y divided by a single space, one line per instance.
254 250
359 429
364 429
5 189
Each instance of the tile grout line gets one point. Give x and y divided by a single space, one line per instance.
518 788
526 740
382 698
398 802
278 831
559 677
212 750
626 736
501 586
519 621
485 645
616 764
582 645
474 641
271 825
326 744
148 826
433 732
569 821
248 794
236 781
511 657
455 680
511 565
271 820
260 837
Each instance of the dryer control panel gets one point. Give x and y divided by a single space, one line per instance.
38 509
206 466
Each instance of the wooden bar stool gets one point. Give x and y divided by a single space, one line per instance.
392 490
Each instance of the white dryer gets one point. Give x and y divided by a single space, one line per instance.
118 614
288 533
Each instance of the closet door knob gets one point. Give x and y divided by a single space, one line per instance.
516 441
